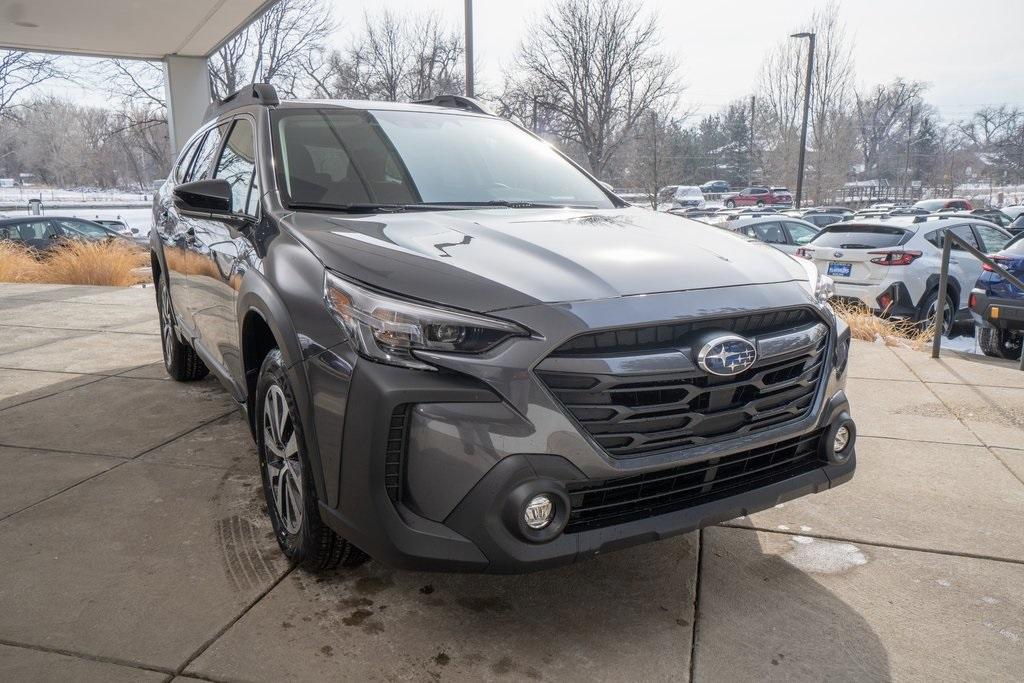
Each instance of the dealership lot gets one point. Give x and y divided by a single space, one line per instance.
133 544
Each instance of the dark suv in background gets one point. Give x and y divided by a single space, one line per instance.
458 351
998 304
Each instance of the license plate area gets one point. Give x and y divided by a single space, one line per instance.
840 269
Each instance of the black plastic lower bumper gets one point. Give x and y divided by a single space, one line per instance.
477 536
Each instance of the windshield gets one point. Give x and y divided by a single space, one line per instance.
689 192
848 236
337 157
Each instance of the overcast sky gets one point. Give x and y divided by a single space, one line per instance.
971 53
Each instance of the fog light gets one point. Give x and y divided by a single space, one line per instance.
539 512
842 439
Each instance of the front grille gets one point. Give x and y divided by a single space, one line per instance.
598 504
394 454
639 414
650 337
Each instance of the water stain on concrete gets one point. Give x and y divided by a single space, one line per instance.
818 556
372 585
484 604
357 617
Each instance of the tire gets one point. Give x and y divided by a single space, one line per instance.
287 477
760 205
926 312
180 359
999 343
730 204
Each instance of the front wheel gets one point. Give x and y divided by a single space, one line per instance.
1000 343
760 205
287 477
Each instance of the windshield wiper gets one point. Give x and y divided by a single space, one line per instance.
349 208
520 204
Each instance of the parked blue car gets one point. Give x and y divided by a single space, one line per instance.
998 306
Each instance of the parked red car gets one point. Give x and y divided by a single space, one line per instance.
945 204
759 196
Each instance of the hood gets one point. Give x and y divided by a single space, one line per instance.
491 259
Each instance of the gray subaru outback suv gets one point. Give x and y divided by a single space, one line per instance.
458 351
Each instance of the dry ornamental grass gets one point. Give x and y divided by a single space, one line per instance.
867 326
113 263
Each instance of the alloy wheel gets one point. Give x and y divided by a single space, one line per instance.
284 468
166 324
947 315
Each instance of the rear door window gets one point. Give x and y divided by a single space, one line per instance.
769 232
800 234
964 232
846 236
992 239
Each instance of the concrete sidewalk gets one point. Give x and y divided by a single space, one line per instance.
133 543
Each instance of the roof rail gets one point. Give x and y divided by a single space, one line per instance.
457 102
254 93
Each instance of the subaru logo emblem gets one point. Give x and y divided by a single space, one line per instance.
727 355
837 254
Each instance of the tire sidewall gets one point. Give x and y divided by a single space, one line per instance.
172 362
933 299
298 545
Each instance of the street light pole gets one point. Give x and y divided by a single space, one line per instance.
807 109
654 141
469 48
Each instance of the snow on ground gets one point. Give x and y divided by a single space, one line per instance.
53 196
965 344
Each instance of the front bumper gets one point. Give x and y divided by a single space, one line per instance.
476 431
475 536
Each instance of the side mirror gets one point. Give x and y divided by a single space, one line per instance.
204 197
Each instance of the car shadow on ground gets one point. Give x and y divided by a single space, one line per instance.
628 614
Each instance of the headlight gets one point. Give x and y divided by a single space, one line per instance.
387 329
821 286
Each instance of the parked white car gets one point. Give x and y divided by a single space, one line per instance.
782 232
891 265
680 197
1013 212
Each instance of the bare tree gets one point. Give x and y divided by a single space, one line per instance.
394 57
881 115
273 49
20 71
780 98
601 63
997 136
139 121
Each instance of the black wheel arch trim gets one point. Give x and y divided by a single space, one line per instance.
932 285
257 297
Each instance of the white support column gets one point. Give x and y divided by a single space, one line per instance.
187 86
